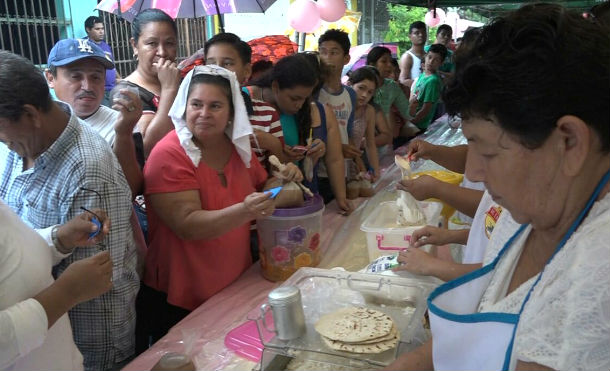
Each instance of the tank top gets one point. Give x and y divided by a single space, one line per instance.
416 67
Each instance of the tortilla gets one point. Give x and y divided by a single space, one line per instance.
377 347
354 325
393 334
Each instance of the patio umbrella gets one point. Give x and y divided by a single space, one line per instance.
129 9
271 48
358 55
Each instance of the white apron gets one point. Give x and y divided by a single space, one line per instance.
466 340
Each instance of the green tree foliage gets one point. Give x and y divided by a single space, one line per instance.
401 17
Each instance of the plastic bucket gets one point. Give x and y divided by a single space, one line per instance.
290 239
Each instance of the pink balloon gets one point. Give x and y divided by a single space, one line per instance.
432 21
304 16
331 10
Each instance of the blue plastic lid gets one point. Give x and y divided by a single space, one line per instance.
311 205
274 191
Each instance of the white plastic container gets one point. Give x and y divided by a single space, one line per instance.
384 236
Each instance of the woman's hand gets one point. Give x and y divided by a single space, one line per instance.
418 149
293 155
350 151
88 278
291 173
168 74
76 231
130 111
259 204
317 149
374 176
416 261
345 206
421 188
430 235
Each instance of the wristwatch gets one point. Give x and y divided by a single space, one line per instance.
58 245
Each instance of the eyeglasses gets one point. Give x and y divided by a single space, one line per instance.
97 220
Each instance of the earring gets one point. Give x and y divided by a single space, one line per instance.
135 56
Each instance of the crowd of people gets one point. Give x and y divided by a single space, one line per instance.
126 203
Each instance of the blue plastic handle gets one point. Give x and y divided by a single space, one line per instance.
99 227
274 191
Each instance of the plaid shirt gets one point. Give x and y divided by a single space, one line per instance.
50 193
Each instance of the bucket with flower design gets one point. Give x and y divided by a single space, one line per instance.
290 239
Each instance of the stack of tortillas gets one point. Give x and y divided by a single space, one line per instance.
358 330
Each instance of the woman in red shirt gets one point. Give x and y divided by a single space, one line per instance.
201 183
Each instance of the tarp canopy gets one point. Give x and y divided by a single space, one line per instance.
493 7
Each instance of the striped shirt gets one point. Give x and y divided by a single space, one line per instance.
51 192
265 118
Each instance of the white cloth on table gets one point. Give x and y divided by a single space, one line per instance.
565 323
25 270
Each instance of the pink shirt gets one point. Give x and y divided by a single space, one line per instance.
192 271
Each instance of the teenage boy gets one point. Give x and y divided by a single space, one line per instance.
444 34
410 62
427 91
94 27
227 50
334 48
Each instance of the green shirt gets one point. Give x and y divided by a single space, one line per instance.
289 127
427 90
391 94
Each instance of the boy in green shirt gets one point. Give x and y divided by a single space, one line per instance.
427 90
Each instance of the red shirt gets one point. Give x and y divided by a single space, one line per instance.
192 271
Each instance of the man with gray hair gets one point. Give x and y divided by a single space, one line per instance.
52 167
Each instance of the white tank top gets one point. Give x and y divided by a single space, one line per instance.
416 67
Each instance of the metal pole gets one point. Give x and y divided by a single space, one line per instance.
222 26
372 21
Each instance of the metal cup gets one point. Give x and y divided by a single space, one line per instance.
287 309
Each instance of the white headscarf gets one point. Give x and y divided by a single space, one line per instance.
239 130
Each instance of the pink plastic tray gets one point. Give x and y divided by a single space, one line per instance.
245 340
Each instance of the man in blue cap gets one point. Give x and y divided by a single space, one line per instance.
52 167
76 72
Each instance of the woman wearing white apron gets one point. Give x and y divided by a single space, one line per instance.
542 148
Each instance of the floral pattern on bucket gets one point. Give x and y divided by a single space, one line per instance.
302 260
297 234
314 242
280 254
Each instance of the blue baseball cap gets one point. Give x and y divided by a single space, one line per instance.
68 51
